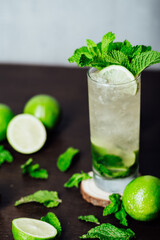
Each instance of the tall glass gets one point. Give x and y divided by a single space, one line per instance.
114 111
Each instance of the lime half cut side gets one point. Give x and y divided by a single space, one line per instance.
26 134
119 75
32 229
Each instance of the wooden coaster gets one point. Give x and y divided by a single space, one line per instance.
92 194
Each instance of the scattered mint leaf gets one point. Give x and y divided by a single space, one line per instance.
89 218
52 219
144 60
39 173
65 159
5 156
76 179
34 170
107 231
121 215
113 207
116 207
47 198
106 53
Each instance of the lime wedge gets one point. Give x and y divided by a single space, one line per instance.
119 75
26 134
32 229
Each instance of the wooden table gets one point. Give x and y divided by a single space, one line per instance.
69 86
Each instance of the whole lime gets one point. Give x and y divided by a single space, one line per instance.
45 108
6 115
141 198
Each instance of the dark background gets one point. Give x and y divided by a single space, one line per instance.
69 86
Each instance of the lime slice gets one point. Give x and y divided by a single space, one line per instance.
32 229
26 134
119 75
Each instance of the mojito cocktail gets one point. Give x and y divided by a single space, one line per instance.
114 107
114 128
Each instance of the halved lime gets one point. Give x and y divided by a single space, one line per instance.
26 134
120 75
32 229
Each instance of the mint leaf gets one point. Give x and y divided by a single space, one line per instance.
115 46
113 207
34 170
47 198
27 167
78 56
5 156
92 48
106 40
39 174
146 48
76 179
110 160
136 50
52 219
89 218
65 159
126 48
116 207
107 231
120 57
144 60
121 215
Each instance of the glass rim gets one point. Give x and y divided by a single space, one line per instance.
112 84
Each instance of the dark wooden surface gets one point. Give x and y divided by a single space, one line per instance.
69 86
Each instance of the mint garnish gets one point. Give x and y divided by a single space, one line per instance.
48 198
65 159
34 170
106 53
107 231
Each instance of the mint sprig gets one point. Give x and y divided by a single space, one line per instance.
113 207
116 207
34 170
76 179
106 53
